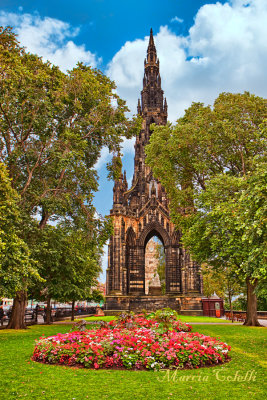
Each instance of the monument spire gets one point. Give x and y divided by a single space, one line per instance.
151 50
142 211
152 107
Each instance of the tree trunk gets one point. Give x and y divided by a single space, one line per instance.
17 319
231 306
44 219
251 318
48 311
72 310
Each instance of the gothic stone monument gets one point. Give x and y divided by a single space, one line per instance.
141 212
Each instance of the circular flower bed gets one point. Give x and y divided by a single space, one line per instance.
138 343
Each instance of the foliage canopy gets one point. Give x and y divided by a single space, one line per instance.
213 166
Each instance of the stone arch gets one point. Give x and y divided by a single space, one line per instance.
154 229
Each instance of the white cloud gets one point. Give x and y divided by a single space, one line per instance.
226 50
177 19
49 38
105 156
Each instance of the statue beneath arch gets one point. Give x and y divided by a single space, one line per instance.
141 212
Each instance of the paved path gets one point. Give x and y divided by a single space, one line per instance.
263 322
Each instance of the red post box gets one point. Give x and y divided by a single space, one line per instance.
218 313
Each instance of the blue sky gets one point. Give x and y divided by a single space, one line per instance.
105 25
204 47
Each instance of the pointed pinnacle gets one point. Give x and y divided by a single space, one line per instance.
165 107
151 39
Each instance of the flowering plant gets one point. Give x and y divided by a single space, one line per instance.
155 321
139 346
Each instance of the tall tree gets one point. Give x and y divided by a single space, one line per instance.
16 266
205 162
230 229
69 261
53 127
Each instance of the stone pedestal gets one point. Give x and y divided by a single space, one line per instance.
155 291
116 305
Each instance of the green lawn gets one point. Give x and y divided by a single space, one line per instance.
102 318
187 318
184 318
22 378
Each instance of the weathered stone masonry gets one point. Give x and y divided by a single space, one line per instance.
141 212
